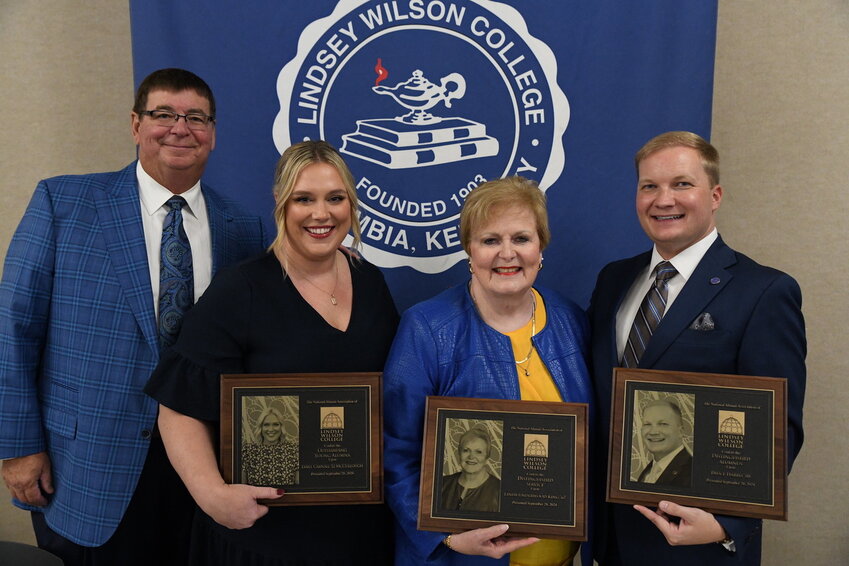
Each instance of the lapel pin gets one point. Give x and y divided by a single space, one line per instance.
714 280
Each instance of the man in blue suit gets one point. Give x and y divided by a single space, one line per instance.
724 313
79 335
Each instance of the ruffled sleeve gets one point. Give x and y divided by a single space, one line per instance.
186 387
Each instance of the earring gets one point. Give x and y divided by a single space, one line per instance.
540 263
471 270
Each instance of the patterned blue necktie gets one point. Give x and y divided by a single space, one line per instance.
649 315
176 283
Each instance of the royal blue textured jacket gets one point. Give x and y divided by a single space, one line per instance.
444 348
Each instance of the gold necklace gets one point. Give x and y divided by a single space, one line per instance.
527 358
332 294
533 329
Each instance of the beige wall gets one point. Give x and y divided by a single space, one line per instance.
65 95
66 89
780 111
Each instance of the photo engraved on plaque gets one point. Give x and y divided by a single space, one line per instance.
269 440
662 439
471 478
711 441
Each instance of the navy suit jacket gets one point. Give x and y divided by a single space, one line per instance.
759 330
78 340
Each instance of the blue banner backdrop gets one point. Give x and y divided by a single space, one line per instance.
427 98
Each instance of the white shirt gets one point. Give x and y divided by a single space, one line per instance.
153 197
685 263
659 466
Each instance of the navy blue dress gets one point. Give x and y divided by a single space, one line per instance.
253 320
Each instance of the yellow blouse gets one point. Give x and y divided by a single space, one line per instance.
535 384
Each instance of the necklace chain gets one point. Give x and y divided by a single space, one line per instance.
527 358
332 294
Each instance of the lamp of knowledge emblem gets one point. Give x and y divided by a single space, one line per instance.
426 99
420 138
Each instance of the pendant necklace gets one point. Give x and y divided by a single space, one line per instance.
527 358
332 294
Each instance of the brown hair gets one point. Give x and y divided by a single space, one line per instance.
172 80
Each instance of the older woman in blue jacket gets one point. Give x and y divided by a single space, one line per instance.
497 337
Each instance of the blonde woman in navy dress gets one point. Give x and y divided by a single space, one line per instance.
305 306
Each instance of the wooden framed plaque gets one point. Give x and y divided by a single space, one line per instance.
491 461
713 441
318 436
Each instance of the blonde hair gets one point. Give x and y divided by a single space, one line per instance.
708 153
490 197
289 167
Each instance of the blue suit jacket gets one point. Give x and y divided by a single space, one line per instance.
78 340
759 330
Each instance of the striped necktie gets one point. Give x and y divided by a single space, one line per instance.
176 280
649 315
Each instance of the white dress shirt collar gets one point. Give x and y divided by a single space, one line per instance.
153 195
686 261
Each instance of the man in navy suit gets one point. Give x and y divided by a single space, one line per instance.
79 335
724 313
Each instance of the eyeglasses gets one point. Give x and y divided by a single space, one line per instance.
168 118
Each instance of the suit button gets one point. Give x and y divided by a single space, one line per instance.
146 434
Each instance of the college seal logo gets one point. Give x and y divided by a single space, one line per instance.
426 99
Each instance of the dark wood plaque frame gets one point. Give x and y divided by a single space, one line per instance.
567 420
735 471
368 430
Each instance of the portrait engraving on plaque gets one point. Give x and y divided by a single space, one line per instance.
472 465
662 440
270 426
